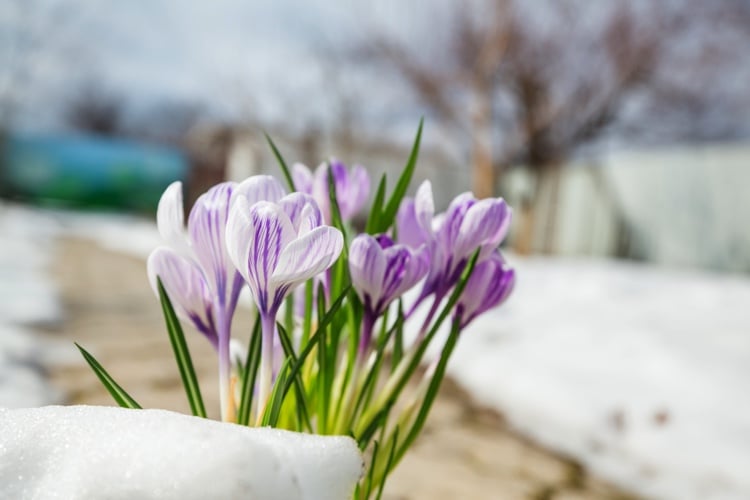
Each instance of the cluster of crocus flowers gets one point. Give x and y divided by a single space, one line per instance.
315 360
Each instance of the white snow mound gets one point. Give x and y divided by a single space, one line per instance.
89 452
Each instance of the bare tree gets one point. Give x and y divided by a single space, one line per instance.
524 94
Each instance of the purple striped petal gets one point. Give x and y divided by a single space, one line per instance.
357 191
170 219
305 257
256 236
382 271
186 287
408 228
483 223
490 284
302 211
302 178
417 266
260 188
424 206
352 188
367 265
207 229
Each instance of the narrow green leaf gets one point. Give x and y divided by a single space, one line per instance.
181 354
373 221
389 214
249 374
282 163
391 393
118 393
371 472
317 339
432 390
364 438
299 387
389 464
273 408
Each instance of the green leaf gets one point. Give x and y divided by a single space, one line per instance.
394 386
273 408
317 339
432 390
118 393
389 464
282 163
181 354
299 387
373 221
389 214
249 374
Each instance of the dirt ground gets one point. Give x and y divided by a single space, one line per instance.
465 452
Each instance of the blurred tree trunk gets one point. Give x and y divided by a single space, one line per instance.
483 176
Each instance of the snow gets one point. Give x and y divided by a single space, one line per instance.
641 374
88 452
27 298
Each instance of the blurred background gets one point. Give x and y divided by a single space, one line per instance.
618 131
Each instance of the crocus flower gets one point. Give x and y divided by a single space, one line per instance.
352 187
490 284
196 271
451 238
382 271
276 247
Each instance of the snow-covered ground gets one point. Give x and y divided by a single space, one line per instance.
641 373
27 297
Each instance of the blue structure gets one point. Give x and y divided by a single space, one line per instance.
88 171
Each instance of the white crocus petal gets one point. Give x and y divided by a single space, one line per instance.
260 188
185 285
207 228
239 227
358 187
302 211
481 223
302 178
367 265
170 218
424 206
256 236
307 256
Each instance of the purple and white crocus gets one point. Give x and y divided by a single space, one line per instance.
451 238
352 187
382 271
489 285
276 246
196 272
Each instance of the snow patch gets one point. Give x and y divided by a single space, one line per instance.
89 452
640 373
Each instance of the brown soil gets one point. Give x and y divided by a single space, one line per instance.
465 452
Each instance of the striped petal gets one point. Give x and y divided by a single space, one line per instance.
307 256
256 236
170 218
483 223
367 265
302 178
490 284
260 188
302 211
207 229
186 287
